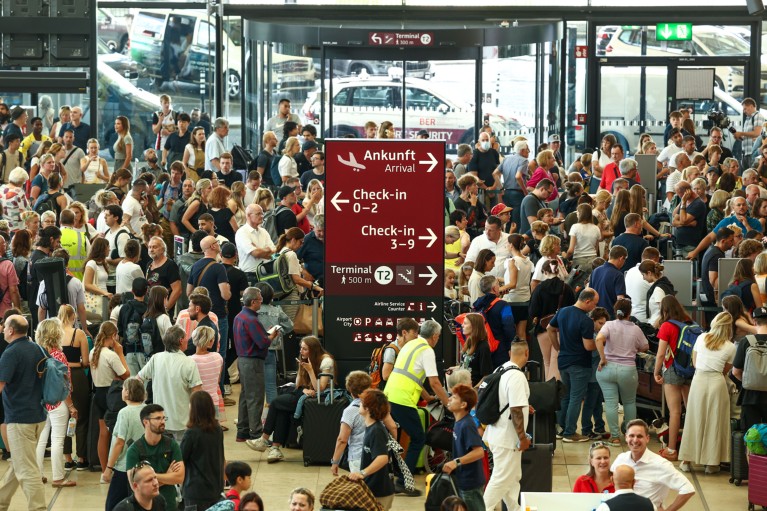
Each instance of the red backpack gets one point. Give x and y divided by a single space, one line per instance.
491 340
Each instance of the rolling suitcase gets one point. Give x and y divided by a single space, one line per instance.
321 425
757 484
537 466
738 458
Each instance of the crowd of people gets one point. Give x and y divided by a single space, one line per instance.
557 264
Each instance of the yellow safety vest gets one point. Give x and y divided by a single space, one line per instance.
75 243
404 385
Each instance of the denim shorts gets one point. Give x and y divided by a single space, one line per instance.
671 377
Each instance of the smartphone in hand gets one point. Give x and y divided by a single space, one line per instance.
275 328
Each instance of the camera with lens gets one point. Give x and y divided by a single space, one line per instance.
718 119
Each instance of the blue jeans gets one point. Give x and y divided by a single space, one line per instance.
223 332
409 420
576 380
592 408
270 376
618 381
513 199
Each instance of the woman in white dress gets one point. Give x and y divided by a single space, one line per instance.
287 166
706 439
95 277
519 272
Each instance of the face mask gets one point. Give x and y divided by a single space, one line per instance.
485 145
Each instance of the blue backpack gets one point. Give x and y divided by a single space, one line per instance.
55 378
736 290
682 356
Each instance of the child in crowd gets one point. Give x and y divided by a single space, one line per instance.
238 474
467 449
463 281
450 291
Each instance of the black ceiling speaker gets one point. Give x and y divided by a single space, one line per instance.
755 7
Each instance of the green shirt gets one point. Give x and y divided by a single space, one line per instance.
160 456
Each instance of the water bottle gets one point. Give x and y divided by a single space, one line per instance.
71 427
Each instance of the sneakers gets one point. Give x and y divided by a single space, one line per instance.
275 454
559 432
400 489
259 444
594 436
713 469
575 438
685 466
69 465
671 456
227 390
603 435
82 465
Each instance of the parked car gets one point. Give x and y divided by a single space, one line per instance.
604 34
707 41
357 100
181 46
413 68
123 64
113 32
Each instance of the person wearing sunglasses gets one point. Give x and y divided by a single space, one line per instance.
599 478
146 490
159 451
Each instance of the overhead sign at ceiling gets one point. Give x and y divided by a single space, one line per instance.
400 38
673 32
384 256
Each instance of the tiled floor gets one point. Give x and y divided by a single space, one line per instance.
274 482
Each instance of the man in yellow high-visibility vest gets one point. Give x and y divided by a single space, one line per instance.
415 364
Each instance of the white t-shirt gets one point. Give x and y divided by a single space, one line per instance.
214 146
125 273
668 151
133 208
636 289
110 367
288 167
540 276
586 239
514 391
653 305
173 376
710 360
100 274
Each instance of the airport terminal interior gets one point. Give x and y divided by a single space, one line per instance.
577 70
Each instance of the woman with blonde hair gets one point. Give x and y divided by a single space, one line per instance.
743 323
194 154
107 364
94 168
34 163
196 205
39 184
638 205
236 202
288 244
706 439
550 248
81 220
65 116
287 164
716 206
74 345
48 336
123 147
264 198
621 208
546 162
314 200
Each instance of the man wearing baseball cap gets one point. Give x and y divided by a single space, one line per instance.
503 212
554 145
304 158
422 135
285 217
753 402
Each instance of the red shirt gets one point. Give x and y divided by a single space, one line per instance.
234 497
610 173
669 332
585 484
303 224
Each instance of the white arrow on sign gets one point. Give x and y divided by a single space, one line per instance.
431 237
376 38
431 275
432 307
666 32
335 201
432 160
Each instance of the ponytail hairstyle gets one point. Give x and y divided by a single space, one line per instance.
516 241
67 314
119 174
721 331
294 233
622 309
649 266
106 332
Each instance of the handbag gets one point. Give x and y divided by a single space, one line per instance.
302 324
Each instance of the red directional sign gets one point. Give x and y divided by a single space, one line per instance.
400 38
384 256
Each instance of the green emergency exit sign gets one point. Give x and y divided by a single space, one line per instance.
673 31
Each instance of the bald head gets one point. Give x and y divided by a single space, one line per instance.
209 245
623 477
15 327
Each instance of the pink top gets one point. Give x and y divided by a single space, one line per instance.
59 355
209 365
539 175
8 279
622 341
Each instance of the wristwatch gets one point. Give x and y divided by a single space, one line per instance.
457 462
364 474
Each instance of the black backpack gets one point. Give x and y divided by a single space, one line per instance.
274 170
132 333
115 253
488 405
441 487
115 403
48 203
150 337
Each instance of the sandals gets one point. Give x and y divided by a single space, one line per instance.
64 484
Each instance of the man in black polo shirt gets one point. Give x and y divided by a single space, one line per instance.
632 241
238 283
285 217
689 219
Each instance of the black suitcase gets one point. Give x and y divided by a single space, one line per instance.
537 466
738 456
321 425
544 428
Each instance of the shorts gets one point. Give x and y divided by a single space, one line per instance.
671 377
520 311
100 401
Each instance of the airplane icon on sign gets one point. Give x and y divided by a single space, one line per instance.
352 162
